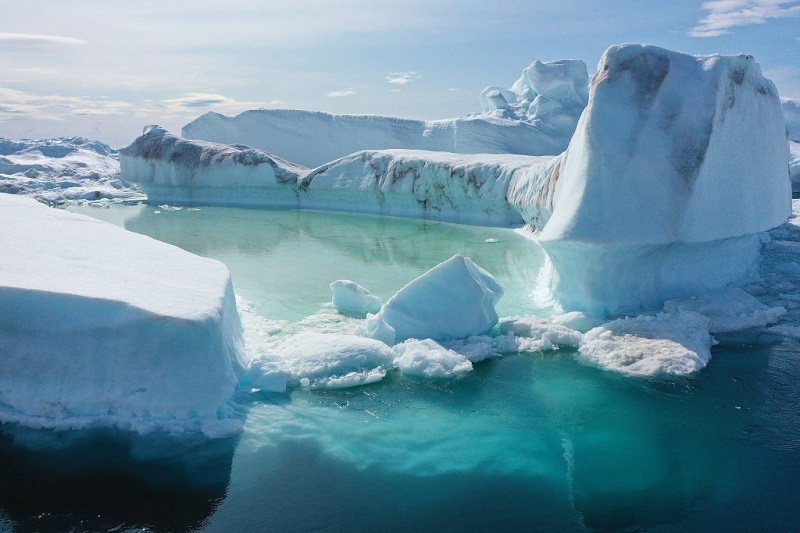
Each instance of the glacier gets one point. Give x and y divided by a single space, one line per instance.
100 326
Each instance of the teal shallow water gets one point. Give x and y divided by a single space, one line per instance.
531 440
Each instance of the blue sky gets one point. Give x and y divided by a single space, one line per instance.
104 69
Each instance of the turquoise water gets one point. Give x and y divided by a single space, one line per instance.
530 440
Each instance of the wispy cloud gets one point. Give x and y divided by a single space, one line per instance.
31 39
194 103
723 15
401 78
342 93
19 104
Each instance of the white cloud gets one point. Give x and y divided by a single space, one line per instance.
31 39
401 78
191 104
340 94
16 104
723 15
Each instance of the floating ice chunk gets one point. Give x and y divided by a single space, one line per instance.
454 299
649 345
350 298
546 335
429 359
328 361
266 374
727 310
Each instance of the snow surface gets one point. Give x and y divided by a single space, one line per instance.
453 300
57 171
350 298
677 164
100 326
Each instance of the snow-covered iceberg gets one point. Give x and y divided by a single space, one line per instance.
104 327
56 171
465 188
535 117
453 300
175 170
676 167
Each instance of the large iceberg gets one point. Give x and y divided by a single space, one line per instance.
678 164
104 327
465 188
57 171
535 117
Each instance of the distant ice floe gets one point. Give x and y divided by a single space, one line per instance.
62 170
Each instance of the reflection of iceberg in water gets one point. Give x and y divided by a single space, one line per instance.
103 479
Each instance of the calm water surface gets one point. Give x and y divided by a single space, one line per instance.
531 440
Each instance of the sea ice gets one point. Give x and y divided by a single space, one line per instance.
100 326
429 359
350 298
649 345
57 171
455 299
730 309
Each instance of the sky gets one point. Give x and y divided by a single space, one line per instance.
104 69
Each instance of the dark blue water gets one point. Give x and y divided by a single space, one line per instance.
529 441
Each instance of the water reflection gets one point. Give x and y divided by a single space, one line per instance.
104 479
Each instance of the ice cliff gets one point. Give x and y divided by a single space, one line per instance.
104 327
677 165
535 117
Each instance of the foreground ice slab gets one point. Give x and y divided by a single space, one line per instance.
453 300
677 165
57 171
103 327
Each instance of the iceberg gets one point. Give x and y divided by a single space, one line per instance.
791 113
100 326
350 298
61 170
173 170
453 300
469 189
535 117
676 168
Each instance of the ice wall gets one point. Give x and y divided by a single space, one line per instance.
314 138
463 188
677 164
171 169
104 327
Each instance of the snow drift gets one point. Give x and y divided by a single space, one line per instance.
677 165
100 326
